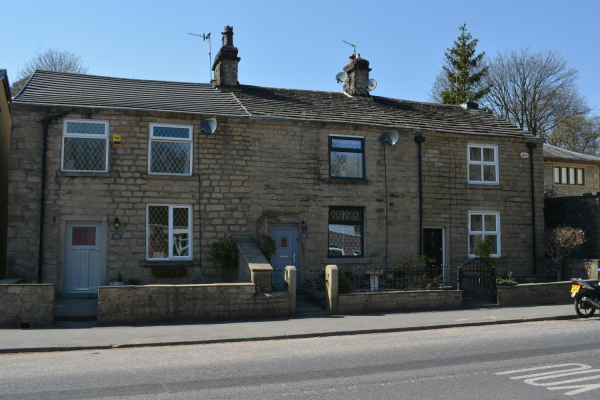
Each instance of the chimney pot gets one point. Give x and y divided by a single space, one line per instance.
228 36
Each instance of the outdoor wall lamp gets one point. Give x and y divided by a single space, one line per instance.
117 223
304 226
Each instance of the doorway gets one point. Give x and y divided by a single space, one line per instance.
287 253
434 246
83 257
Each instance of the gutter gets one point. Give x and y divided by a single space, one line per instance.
46 123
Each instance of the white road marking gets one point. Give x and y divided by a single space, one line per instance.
559 371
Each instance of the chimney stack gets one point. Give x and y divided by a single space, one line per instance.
226 61
358 76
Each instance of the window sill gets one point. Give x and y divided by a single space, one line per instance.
171 177
83 174
343 180
166 263
495 186
356 260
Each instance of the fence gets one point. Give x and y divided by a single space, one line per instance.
381 279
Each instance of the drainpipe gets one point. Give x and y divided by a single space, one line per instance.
420 139
531 146
46 123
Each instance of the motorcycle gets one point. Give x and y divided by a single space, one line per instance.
587 297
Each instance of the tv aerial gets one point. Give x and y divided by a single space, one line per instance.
205 37
209 126
350 44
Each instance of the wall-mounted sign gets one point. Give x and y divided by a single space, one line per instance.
116 140
524 155
116 236
304 235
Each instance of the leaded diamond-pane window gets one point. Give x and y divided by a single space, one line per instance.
482 164
169 232
85 146
346 158
346 232
170 150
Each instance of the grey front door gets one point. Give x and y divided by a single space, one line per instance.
82 257
286 238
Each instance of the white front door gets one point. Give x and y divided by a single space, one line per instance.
82 257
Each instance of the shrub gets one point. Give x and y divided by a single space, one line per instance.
119 277
344 282
224 253
266 244
484 251
410 261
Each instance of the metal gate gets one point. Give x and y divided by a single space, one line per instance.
477 280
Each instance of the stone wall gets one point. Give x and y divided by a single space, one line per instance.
252 265
591 180
535 294
251 175
399 301
577 212
584 269
164 303
26 303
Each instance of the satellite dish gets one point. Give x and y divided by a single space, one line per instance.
208 126
390 138
371 84
341 77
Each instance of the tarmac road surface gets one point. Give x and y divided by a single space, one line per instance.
537 360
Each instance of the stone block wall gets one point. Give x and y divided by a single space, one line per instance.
577 212
535 294
250 175
584 269
164 303
399 301
591 180
26 303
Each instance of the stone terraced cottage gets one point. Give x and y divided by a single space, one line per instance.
124 180
568 173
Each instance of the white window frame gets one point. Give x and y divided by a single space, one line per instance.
496 163
496 232
153 138
83 136
190 233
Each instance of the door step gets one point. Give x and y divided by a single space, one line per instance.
76 309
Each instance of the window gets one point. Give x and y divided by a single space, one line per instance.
169 232
484 225
482 164
346 157
85 146
170 149
569 176
346 232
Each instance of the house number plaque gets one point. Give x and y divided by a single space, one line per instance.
116 236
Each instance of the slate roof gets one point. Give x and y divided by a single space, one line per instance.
305 105
57 88
556 153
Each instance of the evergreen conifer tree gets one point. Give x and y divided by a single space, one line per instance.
461 76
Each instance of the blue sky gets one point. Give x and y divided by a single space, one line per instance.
297 44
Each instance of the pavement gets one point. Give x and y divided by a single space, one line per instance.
72 336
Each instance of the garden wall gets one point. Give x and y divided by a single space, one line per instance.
399 301
535 294
165 303
27 303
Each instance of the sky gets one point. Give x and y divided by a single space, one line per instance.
298 44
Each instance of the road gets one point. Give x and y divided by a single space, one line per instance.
559 359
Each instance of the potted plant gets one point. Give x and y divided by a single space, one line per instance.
118 281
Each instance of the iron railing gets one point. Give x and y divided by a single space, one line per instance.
380 279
